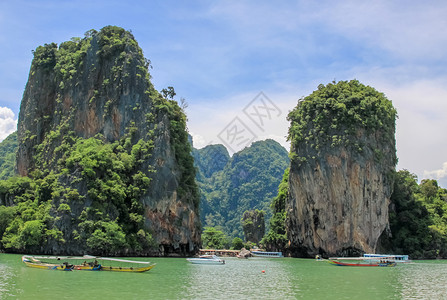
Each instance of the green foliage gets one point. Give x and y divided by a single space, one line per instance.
276 238
113 40
69 59
237 244
45 57
246 181
8 149
337 114
114 187
212 238
253 224
168 93
7 214
181 147
89 191
106 237
418 218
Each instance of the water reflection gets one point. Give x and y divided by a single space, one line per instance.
424 280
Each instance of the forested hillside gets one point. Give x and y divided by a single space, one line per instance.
247 181
8 149
418 218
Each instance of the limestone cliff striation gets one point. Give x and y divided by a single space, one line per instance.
118 150
343 156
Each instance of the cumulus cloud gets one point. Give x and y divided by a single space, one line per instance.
8 122
437 174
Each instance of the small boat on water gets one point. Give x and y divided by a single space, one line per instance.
360 262
390 257
62 263
207 260
257 253
86 263
124 265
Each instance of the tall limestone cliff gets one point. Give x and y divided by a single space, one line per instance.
117 150
343 156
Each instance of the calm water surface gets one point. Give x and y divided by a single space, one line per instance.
175 278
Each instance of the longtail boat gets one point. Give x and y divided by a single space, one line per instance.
86 263
361 262
124 265
62 263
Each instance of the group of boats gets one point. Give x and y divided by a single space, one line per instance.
212 259
86 263
92 263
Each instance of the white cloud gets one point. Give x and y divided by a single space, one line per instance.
420 130
198 140
8 122
437 174
207 122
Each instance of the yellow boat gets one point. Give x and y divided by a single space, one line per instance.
124 265
57 263
86 263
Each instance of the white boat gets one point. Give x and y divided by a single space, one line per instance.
389 257
266 254
207 260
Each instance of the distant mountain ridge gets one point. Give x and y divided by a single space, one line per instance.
231 185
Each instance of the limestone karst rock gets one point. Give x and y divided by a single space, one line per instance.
343 154
98 87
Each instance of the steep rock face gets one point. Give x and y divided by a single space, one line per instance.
99 87
253 224
343 155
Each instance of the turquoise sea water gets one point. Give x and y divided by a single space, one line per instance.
175 278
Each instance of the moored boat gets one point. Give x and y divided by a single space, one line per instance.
124 265
360 262
86 263
257 253
62 263
206 260
398 258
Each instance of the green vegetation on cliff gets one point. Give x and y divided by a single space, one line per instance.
334 114
276 237
343 155
112 220
89 153
8 148
253 224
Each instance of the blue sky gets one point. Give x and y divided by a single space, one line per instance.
219 56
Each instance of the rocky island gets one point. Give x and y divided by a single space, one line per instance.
343 156
104 158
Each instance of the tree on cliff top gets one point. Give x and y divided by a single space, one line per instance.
333 114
